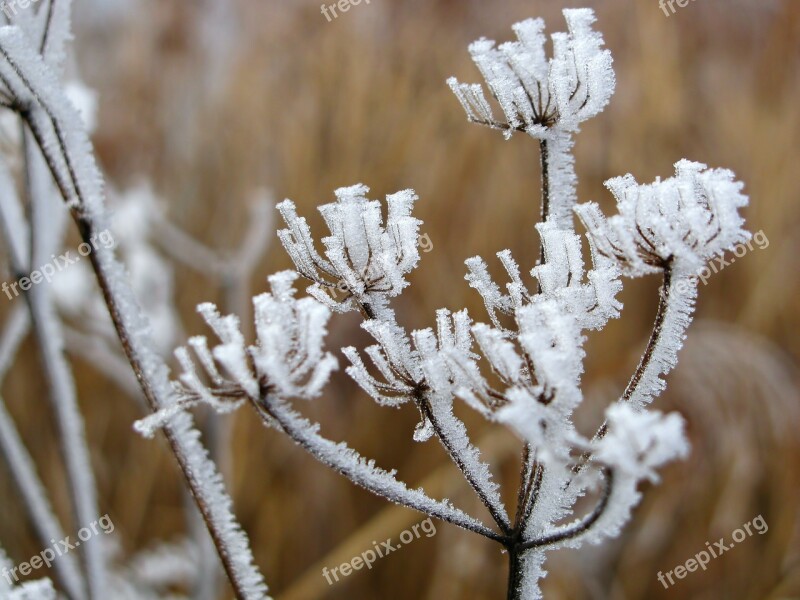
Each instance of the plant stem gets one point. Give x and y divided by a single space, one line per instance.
85 206
518 549
176 445
652 344
530 472
579 527
515 557
273 412
544 155
655 336
458 459
644 362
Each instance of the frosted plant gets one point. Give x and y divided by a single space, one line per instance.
547 98
536 93
365 259
58 161
522 370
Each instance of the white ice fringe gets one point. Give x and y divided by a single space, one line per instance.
65 144
535 93
366 261
287 358
686 220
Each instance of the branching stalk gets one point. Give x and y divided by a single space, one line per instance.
497 512
275 412
199 472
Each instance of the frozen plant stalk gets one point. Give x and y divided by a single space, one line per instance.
533 344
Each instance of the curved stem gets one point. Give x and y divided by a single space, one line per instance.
351 465
497 512
644 362
652 344
33 86
574 530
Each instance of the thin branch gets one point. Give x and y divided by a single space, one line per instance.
498 513
655 336
524 485
48 23
392 519
575 529
544 154
358 470
652 344
199 472
22 467
534 487
644 363
456 454
63 395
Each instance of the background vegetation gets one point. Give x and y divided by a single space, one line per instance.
211 100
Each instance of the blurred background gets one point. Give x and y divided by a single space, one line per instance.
209 101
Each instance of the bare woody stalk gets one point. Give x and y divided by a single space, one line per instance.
26 247
275 412
60 382
66 570
33 90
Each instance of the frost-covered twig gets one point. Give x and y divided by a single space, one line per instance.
363 473
534 346
59 133
572 530
45 240
233 272
287 361
370 260
30 245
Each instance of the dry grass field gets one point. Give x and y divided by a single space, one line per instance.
211 102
